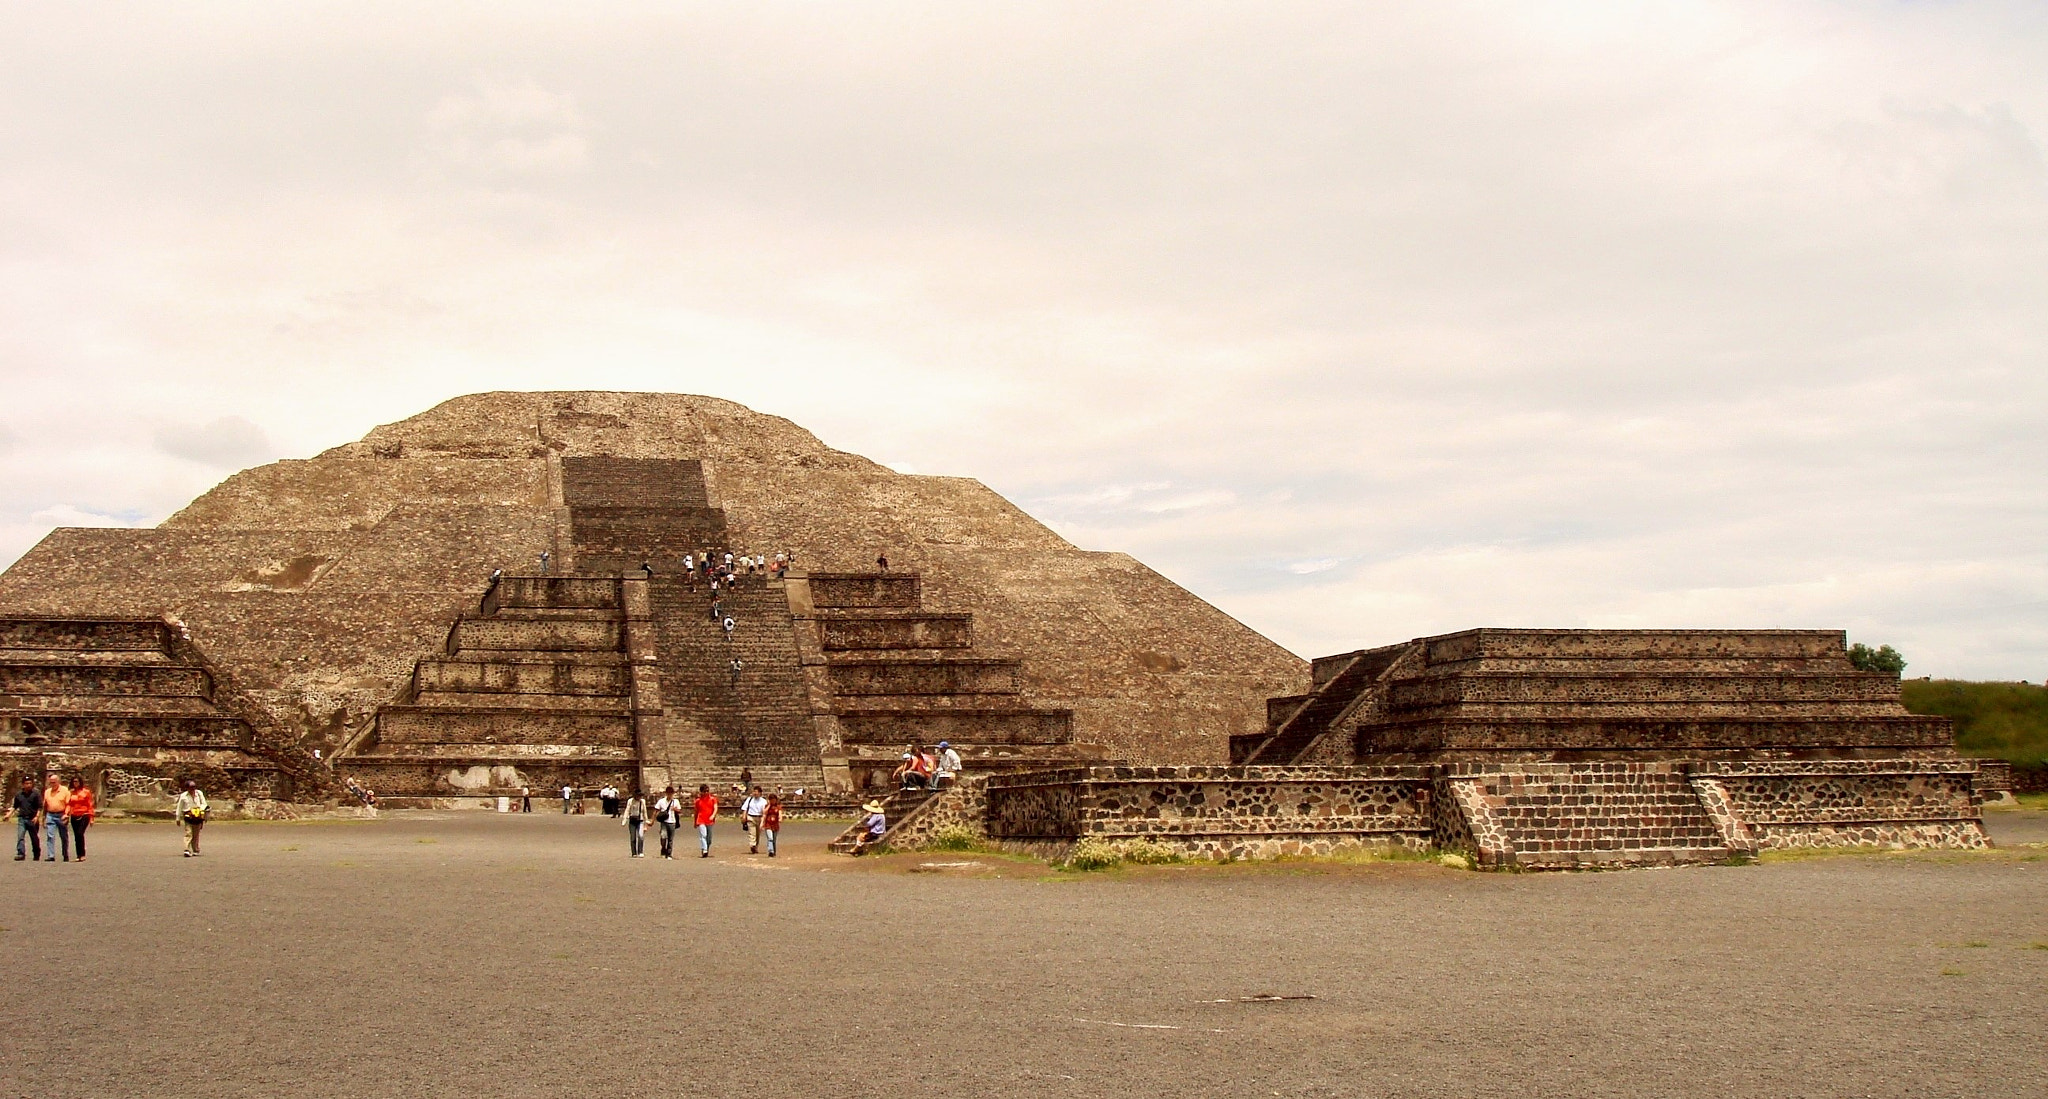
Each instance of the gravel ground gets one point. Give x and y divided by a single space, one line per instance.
480 955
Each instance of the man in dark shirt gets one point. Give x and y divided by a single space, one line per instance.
27 809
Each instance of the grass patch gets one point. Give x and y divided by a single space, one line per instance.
2032 801
2037 946
955 837
1953 973
2002 720
426 839
293 847
1976 944
1801 854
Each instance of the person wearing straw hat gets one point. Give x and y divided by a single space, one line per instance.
872 828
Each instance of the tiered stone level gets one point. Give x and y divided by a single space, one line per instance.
538 688
129 703
886 674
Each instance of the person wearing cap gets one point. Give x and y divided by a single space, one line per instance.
872 828
191 814
948 767
28 813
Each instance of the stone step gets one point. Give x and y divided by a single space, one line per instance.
898 806
634 482
1641 688
167 731
553 593
841 631
115 705
950 676
591 658
1705 644
960 725
524 677
91 634
458 752
1655 711
1687 731
830 590
523 701
102 679
1834 664
112 658
536 634
408 724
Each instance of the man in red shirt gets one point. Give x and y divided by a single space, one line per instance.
707 814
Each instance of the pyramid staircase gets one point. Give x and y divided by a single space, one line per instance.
129 699
1562 816
897 810
891 674
535 688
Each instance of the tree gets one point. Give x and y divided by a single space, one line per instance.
1884 658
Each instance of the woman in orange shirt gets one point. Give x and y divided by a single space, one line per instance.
81 814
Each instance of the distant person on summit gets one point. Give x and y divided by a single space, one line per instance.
882 562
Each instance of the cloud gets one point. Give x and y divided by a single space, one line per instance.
228 442
1362 322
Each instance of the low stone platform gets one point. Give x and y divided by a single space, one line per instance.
1532 816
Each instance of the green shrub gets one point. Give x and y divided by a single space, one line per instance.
954 837
2000 720
1148 852
1092 854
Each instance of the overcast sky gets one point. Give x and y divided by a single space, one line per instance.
1362 321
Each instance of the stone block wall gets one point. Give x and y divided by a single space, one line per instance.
1841 803
1218 812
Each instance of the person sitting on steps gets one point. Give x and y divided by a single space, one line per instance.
872 828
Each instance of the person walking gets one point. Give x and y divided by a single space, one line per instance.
668 813
81 814
636 825
191 814
771 820
526 799
707 815
28 816
568 796
56 810
751 812
881 562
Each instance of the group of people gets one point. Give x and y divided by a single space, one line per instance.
51 820
928 768
760 819
726 570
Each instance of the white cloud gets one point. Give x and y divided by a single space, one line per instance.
228 441
1362 322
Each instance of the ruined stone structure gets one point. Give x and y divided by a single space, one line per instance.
1544 748
346 605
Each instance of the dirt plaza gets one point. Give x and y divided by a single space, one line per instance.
437 954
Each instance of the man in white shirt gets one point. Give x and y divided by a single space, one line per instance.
668 813
949 766
568 795
750 813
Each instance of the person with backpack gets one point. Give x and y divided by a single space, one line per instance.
636 825
668 810
752 809
707 815
191 813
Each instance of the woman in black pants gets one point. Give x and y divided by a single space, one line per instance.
636 825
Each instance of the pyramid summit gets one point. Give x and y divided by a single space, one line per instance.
386 603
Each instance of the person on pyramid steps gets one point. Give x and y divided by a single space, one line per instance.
872 827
